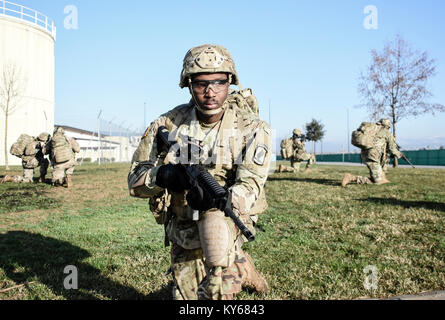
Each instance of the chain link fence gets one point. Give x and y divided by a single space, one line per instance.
112 141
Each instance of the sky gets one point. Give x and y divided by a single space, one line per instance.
302 59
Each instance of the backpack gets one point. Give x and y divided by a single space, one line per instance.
286 148
364 136
244 99
61 148
18 147
31 148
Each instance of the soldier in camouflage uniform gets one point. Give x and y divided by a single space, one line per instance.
375 158
62 150
33 157
299 154
207 261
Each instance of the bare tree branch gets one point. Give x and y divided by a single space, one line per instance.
395 83
12 87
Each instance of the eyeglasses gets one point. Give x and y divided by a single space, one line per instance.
201 86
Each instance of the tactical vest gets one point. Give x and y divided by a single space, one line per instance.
238 101
61 148
286 148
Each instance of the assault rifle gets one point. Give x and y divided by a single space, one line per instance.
405 157
198 176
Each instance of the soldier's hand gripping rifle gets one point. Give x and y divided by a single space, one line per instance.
405 157
201 183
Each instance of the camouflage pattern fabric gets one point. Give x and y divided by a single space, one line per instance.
61 148
61 170
34 159
376 157
299 155
244 173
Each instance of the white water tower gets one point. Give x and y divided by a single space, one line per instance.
27 40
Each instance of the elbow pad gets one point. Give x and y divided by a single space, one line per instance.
135 175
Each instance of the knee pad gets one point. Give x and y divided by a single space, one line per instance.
217 239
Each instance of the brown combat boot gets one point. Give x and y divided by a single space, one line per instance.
307 170
69 182
253 279
7 178
348 178
383 181
280 168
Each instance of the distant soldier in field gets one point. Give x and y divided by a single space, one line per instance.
294 149
376 143
62 150
32 152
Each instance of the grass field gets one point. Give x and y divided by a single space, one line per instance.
314 241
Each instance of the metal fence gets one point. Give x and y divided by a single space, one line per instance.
29 15
417 157
111 141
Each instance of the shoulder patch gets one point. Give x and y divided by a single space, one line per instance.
260 154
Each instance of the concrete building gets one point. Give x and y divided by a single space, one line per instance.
27 39
107 148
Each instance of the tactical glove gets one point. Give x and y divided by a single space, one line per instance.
199 199
172 177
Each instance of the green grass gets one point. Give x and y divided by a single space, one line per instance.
313 242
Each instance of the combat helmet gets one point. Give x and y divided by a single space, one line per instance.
385 122
208 58
58 130
44 136
297 132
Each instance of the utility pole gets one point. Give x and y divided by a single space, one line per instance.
348 135
98 135
111 121
46 120
144 126
122 128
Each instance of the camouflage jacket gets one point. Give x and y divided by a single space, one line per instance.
237 154
299 147
384 145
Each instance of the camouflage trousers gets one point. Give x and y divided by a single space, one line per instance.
194 280
295 162
28 173
61 170
375 171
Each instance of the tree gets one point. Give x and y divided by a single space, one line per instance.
314 131
395 84
11 88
